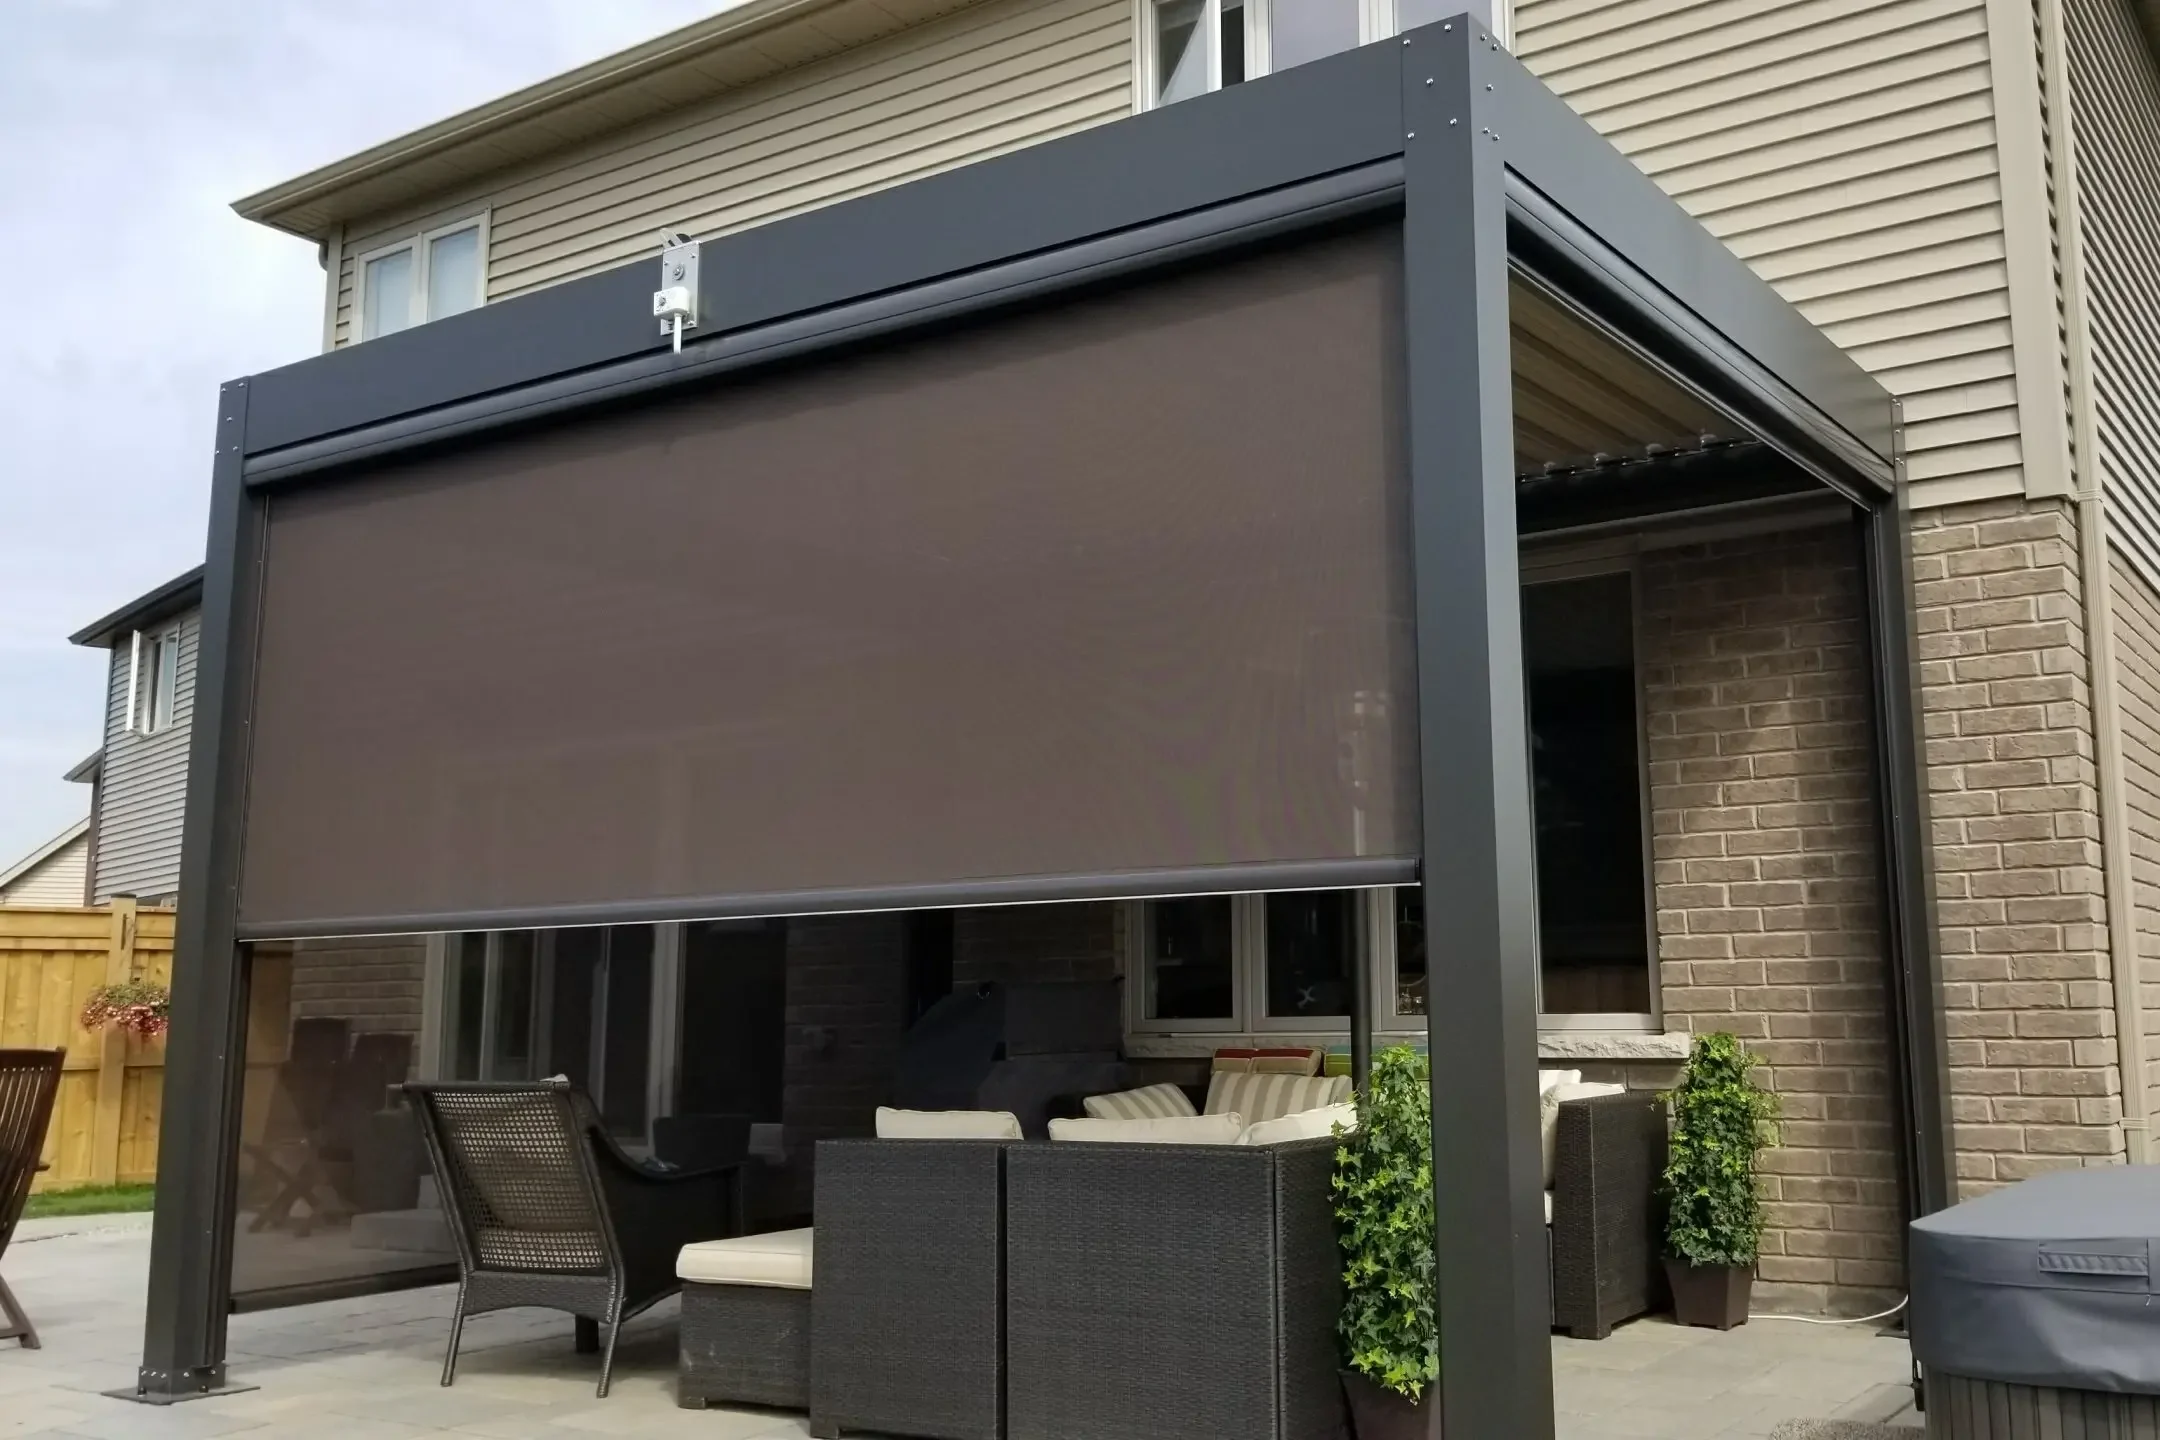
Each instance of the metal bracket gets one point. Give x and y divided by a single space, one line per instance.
675 303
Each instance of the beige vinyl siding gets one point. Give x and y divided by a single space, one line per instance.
2115 129
992 78
57 880
2137 661
1846 149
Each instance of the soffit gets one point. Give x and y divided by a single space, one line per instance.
685 67
1583 399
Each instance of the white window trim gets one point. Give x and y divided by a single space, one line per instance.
142 693
1562 565
419 243
1377 20
1377 929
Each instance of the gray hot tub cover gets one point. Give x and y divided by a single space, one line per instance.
2047 1282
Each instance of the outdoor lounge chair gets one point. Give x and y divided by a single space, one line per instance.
1171 1292
906 1308
547 1210
28 1081
1608 1152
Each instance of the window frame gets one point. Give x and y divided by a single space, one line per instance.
1546 570
1376 931
1376 21
1133 935
147 670
420 243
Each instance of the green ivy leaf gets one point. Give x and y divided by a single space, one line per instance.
1721 1121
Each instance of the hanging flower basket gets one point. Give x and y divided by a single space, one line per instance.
142 1010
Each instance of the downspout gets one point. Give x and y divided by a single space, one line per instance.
2096 570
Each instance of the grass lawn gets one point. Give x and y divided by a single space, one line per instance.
90 1200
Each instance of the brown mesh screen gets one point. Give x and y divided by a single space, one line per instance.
1118 586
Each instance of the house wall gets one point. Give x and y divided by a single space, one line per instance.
846 1011
992 78
145 784
1012 943
1766 876
2137 680
379 984
2004 672
58 879
2115 112
1848 151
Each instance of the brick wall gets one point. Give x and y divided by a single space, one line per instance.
846 1011
378 984
2137 685
1765 874
2017 840
1035 942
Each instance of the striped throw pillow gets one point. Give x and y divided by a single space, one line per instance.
1270 1097
1149 1102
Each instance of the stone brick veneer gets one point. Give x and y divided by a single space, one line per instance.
2017 840
1765 876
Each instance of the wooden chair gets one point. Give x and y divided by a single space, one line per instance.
28 1081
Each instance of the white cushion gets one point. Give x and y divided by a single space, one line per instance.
780 1259
947 1124
1270 1097
1170 1130
1549 1103
1303 1125
1149 1102
1546 1079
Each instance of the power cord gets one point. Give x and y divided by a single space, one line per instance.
1856 1320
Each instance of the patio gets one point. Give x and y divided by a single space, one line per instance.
366 1368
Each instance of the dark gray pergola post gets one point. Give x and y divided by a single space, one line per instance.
191 1234
1920 1064
1481 1008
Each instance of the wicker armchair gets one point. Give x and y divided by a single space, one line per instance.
28 1081
1171 1292
905 1313
548 1211
1608 1152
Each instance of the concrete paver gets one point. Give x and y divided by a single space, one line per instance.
366 1369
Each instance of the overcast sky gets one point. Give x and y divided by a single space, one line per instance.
129 289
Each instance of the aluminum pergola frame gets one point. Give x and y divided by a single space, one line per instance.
1487 170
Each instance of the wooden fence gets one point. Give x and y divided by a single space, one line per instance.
105 1122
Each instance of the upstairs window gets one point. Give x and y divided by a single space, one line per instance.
423 277
1189 47
153 681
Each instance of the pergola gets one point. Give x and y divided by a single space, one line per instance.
1134 515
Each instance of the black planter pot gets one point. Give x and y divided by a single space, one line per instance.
1713 1296
1378 1413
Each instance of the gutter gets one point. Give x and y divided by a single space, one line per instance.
2096 570
533 102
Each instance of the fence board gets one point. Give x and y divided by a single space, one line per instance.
105 1119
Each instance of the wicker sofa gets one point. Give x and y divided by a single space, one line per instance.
907 1306
1608 1152
1171 1292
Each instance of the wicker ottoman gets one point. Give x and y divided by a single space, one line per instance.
746 1321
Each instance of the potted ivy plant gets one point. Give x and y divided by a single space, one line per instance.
1383 1189
1722 1120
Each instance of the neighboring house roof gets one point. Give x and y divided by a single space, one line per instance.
740 45
174 596
88 769
78 833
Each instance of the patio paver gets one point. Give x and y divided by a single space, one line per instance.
366 1369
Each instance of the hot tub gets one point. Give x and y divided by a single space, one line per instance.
2035 1309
